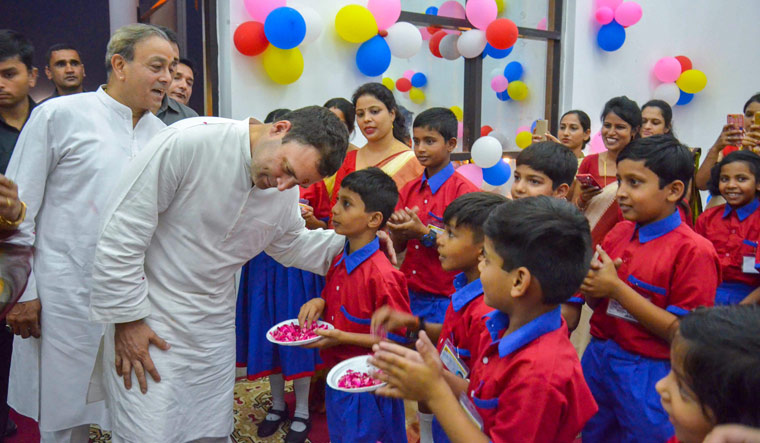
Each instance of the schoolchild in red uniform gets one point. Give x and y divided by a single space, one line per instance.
526 385
664 270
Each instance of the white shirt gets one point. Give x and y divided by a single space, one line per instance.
185 218
66 161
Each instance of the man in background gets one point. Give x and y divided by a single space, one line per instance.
65 69
182 85
172 111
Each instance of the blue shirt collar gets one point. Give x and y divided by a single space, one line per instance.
466 292
435 182
543 324
659 228
744 211
354 259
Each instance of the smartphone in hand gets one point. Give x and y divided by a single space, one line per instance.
542 126
587 180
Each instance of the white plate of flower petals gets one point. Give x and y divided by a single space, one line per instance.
289 333
353 375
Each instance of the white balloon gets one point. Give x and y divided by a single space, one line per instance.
486 151
472 43
448 47
667 92
313 21
404 39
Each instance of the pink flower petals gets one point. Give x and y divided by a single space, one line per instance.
292 332
355 379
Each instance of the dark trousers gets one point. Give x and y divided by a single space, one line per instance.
6 347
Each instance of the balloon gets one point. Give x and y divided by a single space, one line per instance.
408 74
533 126
431 11
416 95
612 4
498 174
283 66
472 43
435 43
684 98
543 24
404 39
692 81
513 71
285 28
386 12
503 96
250 39
502 33
481 12
314 24
597 144
517 90
458 113
667 69
524 139
499 83
523 128
448 47
260 9
373 57
388 83
611 36
403 84
486 151
472 172
628 13
485 130
425 34
419 80
667 92
451 8
502 137
355 24
496 53
604 15
499 6
460 129
685 62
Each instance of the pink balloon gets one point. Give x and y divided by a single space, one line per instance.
408 74
260 9
472 172
667 69
604 15
386 12
425 33
452 8
460 129
499 83
542 24
597 144
522 129
612 4
628 14
480 12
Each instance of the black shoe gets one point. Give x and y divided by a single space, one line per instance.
298 437
269 427
10 428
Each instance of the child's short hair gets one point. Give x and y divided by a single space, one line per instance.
376 188
551 158
722 360
664 155
549 236
472 210
750 158
441 120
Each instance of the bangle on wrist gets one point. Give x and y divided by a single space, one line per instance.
14 223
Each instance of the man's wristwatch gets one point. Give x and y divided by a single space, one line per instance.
428 240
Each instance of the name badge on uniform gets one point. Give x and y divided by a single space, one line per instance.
615 309
452 362
748 265
437 229
470 410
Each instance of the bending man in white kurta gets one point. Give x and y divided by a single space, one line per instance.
67 159
206 196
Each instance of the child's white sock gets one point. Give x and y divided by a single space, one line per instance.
277 387
426 427
301 386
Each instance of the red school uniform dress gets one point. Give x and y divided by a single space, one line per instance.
528 386
429 285
357 285
675 269
734 232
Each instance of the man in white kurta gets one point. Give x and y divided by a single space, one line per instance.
67 159
185 218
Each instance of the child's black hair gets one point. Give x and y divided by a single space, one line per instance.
276 115
14 44
584 120
345 106
550 158
380 92
665 156
549 236
721 361
751 159
471 210
665 110
441 120
376 188
626 109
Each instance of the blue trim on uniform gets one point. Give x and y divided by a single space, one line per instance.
361 321
677 310
649 287
490 403
435 182
466 293
463 352
440 219
431 307
397 338
543 324
731 293
354 259
496 321
659 228
742 212
749 243
575 300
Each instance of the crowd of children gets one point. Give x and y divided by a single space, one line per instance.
475 324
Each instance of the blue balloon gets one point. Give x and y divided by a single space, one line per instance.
611 36
685 98
533 126
503 96
513 71
496 53
419 80
431 11
497 174
373 57
285 28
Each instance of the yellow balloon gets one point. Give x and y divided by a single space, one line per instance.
457 112
283 66
416 95
389 83
692 81
517 90
524 139
355 23
500 6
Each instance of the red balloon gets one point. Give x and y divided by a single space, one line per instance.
685 62
502 33
435 42
485 130
403 84
433 29
250 39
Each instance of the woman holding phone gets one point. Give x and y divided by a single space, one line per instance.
574 132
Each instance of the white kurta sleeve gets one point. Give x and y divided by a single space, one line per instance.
119 287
